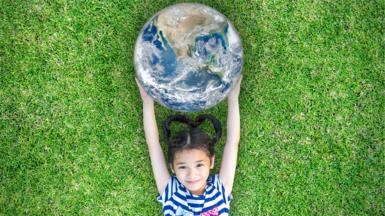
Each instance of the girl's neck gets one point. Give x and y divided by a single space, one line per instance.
199 192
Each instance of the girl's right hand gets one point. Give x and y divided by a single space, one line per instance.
234 93
143 94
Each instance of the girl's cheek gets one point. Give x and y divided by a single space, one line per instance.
182 172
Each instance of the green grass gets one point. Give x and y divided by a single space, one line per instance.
312 108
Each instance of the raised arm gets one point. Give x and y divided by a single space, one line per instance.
230 153
159 165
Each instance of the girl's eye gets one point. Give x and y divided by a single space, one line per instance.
200 165
182 167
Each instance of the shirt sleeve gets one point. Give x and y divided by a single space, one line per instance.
171 187
221 188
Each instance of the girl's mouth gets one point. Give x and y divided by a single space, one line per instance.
192 182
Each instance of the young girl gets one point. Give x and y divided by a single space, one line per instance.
191 191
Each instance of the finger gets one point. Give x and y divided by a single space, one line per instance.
137 82
239 81
240 78
139 85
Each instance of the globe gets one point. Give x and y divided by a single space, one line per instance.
188 57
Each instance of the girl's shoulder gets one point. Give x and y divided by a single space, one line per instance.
216 182
172 186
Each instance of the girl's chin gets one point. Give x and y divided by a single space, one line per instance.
197 190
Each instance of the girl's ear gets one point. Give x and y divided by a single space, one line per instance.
212 160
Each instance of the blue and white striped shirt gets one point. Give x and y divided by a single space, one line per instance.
177 199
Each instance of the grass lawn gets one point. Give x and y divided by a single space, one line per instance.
312 108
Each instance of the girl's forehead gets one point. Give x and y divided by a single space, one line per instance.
191 155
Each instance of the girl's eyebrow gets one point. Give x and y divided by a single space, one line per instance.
180 163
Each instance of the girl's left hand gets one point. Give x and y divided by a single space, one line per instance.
234 93
143 94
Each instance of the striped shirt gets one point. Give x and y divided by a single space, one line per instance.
177 200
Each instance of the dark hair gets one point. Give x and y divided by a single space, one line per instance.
194 138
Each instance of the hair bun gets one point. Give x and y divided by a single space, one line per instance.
216 124
192 124
169 120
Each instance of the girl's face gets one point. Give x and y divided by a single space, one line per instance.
192 168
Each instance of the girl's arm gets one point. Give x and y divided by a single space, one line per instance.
159 166
229 158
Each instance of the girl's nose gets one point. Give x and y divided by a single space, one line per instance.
192 172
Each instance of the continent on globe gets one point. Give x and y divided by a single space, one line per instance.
188 57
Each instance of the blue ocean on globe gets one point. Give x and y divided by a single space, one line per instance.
188 57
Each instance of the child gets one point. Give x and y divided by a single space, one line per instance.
191 191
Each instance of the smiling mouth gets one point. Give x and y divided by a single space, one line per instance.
192 182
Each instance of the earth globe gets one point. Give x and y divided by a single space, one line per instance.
188 57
